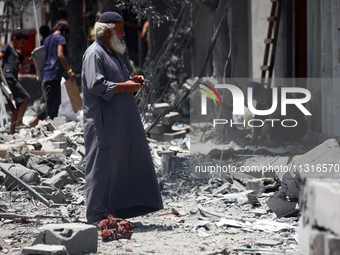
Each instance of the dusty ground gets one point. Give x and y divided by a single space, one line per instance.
164 234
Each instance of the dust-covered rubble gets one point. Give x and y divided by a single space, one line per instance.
42 182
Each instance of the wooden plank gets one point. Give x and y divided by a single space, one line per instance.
74 95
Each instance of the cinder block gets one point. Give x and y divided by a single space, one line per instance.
59 180
77 238
44 249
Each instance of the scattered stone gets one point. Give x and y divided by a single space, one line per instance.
44 249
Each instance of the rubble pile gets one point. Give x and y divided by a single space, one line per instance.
42 200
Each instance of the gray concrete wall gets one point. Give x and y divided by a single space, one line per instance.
324 62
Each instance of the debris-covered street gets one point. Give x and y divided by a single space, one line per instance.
169 127
221 214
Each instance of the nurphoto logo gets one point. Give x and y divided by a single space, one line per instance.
238 104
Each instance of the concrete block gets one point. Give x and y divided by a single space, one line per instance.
59 180
279 205
44 249
160 108
160 129
171 118
169 136
77 238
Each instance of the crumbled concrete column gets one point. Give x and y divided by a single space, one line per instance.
77 238
44 249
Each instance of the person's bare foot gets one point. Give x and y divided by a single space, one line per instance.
34 122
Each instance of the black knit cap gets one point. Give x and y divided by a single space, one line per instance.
110 17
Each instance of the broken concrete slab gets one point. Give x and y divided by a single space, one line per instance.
321 162
171 118
265 166
77 238
280 206
59 180
43 249
168 136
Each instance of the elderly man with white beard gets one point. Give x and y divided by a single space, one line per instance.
120 176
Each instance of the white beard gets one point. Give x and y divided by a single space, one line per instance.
117 44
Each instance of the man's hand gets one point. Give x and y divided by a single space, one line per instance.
139 79
128 87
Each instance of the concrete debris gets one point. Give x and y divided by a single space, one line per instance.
77 238
42 182
167 129
44 249
262 185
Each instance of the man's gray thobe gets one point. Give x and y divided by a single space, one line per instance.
120 175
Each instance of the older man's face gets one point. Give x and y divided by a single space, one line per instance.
117 38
